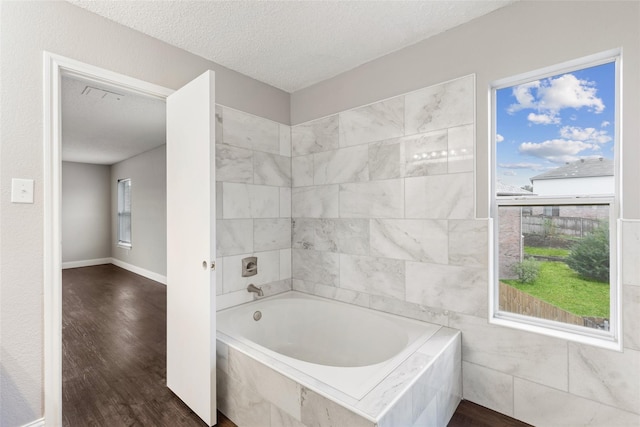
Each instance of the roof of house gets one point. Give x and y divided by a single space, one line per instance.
503 189
583 168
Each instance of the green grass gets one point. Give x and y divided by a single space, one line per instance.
558 285
555 252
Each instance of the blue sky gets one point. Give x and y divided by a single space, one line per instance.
545 123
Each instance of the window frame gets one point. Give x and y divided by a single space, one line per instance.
611 339
121 212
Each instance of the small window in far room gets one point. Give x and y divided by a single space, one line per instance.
555 201
124 212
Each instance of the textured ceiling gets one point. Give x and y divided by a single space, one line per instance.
291 44
104 127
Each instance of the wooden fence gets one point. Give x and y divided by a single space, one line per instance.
515 301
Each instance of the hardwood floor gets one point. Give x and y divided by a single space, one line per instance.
114 352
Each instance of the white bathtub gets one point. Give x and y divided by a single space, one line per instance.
346 347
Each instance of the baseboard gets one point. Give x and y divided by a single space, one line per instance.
36 423
138 270
86 263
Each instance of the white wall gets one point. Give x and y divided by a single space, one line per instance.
29 28
148 174
86 212
564 186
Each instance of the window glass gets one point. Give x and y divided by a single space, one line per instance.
124 212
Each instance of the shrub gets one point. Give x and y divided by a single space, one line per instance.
590 256
527 270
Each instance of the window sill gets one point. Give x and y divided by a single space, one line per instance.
124 245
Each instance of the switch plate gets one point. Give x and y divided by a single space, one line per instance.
21 190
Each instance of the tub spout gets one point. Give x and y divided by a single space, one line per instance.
256 289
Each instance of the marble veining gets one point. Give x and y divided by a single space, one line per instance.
234 236
271 169
376 276
385 160
315 202
339 166
318 135
249 201
414 240
374 122
234 164
374 199
248 131
488 387
447 196
469 243
271 233
314 266
426 154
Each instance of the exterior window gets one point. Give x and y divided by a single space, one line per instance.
555 207
124 212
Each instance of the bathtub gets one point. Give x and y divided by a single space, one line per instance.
294 349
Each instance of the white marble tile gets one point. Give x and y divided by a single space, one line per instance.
278 287
409 309
240 403
426 154
461 149
415 240
269 384
312 137
314 266
631 252
450 393
219 200
249 201
271 169
522 354
428 417
234 164
302 170
544 406
605 376
336 235
285 263
488 388
249 131
234 236
340 166
450 287
285 202
375 122
376 276
303 233
268 270
285 140
271 233
218 124
315 202
326 291
222 356
443 338
279 418
440 196
219 276
318 411
375 199
386 159
440 106
469 243
400 414
631 316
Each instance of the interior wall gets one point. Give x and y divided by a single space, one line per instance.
253 192
28 29
86 213
148 174
535 378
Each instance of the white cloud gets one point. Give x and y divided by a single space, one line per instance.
604 124
534 166
556 150
543 119
499 138
509 173
585 134
551 95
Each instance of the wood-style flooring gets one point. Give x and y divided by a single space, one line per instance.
114 352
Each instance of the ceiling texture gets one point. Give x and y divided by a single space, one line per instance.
287 44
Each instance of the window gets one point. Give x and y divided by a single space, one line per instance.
554 203
124 212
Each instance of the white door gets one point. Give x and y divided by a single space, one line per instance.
191 287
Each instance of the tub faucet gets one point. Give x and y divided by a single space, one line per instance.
256 289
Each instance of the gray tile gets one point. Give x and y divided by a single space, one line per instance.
386 159
285 140
240 403
285 202
302 170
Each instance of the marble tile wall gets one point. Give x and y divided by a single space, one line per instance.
253 184
383 217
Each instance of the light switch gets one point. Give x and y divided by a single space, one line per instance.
21 190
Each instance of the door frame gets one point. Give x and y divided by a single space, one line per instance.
55 66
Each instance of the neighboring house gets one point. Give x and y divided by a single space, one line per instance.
510 229
585 176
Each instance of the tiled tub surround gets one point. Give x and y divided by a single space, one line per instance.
253 203
378 225
258 387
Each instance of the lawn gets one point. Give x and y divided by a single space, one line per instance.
559 285
553 252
